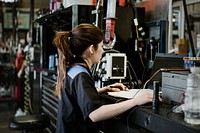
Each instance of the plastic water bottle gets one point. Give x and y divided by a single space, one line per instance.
192 97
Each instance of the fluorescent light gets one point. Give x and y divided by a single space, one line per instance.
9 1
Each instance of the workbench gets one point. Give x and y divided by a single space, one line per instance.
143 119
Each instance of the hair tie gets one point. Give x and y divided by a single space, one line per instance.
69 36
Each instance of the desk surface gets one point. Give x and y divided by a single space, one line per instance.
163 120
160 121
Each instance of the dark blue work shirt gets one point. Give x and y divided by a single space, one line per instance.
79 98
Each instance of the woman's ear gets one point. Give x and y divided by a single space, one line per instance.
91 49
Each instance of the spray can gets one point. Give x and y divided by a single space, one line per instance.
51 62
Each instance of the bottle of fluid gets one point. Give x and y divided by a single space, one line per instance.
192 97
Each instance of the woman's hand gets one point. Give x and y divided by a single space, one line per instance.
113 87
143 98
117 87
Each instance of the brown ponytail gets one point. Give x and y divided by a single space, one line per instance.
62 44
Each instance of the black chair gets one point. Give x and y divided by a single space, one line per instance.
29 123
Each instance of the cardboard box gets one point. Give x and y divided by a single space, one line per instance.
181 47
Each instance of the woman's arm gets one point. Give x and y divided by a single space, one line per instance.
111 110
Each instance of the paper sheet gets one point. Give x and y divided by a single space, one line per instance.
128 94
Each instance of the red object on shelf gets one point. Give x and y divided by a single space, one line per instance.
110 29
122 2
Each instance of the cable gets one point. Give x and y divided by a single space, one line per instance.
130 80
136 28
141 60
188 28
145 67
179 97
27 88
151 78
133 73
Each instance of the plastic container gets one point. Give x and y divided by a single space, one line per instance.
192 97
192 107
51 62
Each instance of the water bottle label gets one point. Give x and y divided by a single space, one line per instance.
192 81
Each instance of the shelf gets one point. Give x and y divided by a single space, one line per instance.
7 66
58 17
6 99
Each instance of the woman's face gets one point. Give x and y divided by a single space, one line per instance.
98 53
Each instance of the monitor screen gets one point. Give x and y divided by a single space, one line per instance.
163 60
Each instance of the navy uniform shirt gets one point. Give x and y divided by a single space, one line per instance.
79 98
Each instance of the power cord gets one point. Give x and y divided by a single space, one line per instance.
144 86
136 78
27 88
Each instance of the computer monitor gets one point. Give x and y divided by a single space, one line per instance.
163 60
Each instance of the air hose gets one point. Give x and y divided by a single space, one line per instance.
27 88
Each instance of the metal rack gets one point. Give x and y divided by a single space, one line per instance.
48 101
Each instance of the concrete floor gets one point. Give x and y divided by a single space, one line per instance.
8 109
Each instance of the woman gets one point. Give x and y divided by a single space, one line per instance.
80 108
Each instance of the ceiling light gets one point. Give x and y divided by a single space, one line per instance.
9 1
